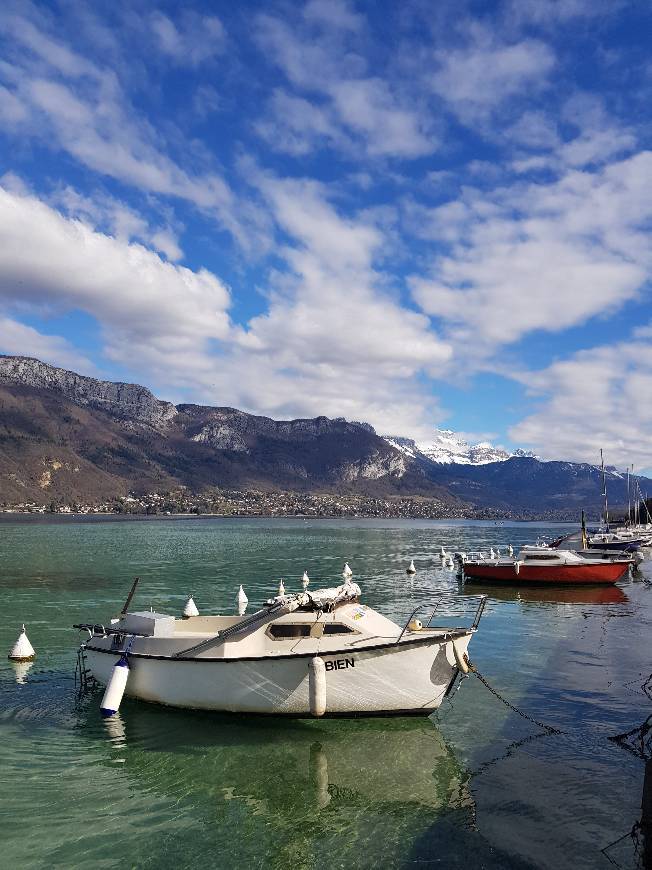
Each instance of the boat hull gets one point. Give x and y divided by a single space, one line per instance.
607 573
617 546
406 678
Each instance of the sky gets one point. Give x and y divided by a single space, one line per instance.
414 214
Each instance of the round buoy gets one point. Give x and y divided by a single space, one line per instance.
242 601
115 688
22 650
410 568
415 625
317 686
190 609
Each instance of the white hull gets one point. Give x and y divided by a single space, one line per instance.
407 677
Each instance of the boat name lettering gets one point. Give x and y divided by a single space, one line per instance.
338 664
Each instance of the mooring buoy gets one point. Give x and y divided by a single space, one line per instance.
190 609
22 650
242 601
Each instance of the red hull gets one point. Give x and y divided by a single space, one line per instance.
574 575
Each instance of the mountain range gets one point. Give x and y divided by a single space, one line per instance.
448 447
73 438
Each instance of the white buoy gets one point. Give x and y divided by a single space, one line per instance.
317 686
281 589
242 601
190 609
347 572
115 688
305 580
22 650
510 550
410 568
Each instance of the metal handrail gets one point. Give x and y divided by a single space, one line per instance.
476 619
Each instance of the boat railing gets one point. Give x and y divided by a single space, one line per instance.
448 597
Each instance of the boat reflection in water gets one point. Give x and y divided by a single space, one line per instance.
551 594
311 782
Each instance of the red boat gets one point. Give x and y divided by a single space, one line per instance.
544 565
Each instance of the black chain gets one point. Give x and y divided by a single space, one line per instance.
548 728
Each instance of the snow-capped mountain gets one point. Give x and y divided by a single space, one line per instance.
449 447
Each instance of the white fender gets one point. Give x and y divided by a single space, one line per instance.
305 580
517 567
459 658
317 686
115 688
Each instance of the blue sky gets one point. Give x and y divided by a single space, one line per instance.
413 214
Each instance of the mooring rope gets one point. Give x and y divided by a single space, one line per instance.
548 728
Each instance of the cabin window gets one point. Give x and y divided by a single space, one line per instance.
337 628
284 630
539 556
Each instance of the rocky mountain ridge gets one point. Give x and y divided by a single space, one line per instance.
65 434
126 401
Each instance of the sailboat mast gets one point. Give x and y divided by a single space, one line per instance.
629 501
604 491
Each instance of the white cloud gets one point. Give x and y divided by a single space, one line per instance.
52 263
17 339
355 107
104 212
477 79
539 256
191 40
332 342
72 104
599 398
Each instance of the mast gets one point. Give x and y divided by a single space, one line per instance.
604 491
629 501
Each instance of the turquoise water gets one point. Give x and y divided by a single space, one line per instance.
475 786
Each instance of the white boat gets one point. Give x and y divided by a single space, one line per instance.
312 653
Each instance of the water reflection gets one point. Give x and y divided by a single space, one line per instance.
550 595
21 670
306 780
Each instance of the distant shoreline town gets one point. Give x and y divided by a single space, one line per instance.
258 503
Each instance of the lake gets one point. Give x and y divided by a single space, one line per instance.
473 786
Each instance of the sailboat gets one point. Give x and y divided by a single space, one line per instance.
606 539
320 653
